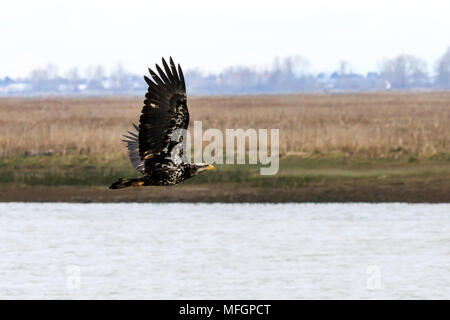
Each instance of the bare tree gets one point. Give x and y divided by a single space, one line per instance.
118 78
344 67
38 79
44 79
291 65
289 74
73 77
52 71
443 70
404 71
95 77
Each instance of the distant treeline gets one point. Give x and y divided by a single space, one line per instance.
287 75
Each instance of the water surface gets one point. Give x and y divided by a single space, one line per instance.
224 251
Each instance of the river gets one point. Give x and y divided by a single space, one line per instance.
224 251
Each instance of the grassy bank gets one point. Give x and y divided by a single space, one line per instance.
306 178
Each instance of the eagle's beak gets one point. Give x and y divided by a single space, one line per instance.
210 167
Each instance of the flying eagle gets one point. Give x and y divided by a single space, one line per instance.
155 150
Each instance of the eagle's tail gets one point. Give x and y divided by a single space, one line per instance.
123 183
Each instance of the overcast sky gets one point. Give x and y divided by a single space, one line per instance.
210 35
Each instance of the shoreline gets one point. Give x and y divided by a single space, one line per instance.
417 192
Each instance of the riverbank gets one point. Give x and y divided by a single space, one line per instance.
436 192
300 179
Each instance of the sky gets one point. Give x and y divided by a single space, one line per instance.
211 35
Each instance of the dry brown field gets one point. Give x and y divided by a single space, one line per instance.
373 124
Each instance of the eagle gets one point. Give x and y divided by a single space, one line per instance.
156 147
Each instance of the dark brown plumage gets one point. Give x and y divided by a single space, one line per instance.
155 149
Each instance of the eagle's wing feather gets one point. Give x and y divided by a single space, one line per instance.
133 149
164 112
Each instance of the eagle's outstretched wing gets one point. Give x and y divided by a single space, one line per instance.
164 112
133 149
